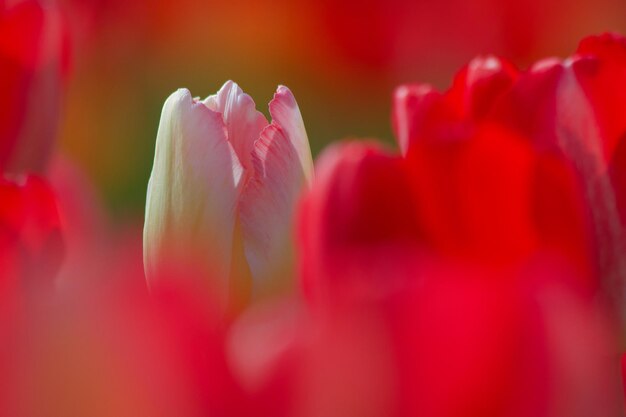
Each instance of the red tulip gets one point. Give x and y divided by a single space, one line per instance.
33 60
483 247
565 117
30 235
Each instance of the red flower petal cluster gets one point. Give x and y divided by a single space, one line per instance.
485 247
475 273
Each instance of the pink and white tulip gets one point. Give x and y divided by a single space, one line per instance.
223 190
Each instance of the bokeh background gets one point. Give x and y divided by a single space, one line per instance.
341 59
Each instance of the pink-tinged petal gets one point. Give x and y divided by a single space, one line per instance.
267 206
243 122
282 169
192 195
286 115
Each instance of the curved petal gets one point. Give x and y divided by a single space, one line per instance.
192 195
282 167
358 223
286 115
413 105
479 84
243 122
420 112
554 105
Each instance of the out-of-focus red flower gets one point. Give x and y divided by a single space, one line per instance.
565 131
34 57
455 340
117 351
501 344
483 247
571 109
359 221
31 246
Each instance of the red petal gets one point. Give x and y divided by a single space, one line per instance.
359 216
30 237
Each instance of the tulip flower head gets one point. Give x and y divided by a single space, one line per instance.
223 190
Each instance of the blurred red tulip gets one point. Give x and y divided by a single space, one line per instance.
33 61
564 118
570 109
485 244
514 343
118 352
31 246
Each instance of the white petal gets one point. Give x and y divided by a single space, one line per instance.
192 194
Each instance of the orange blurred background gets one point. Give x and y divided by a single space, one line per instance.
341 60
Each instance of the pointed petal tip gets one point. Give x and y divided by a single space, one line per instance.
286 116
404 91
181 93
284 94
180 97
228 85
283 89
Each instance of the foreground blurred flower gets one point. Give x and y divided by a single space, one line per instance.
565 128
223 187
31 246
34 47
489 248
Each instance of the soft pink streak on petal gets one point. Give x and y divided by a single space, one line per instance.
282 168
243 122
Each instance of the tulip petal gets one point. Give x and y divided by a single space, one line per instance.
479 84
413 105
286 114
420 112
192 194
358 223
555 105
243 122
282 166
